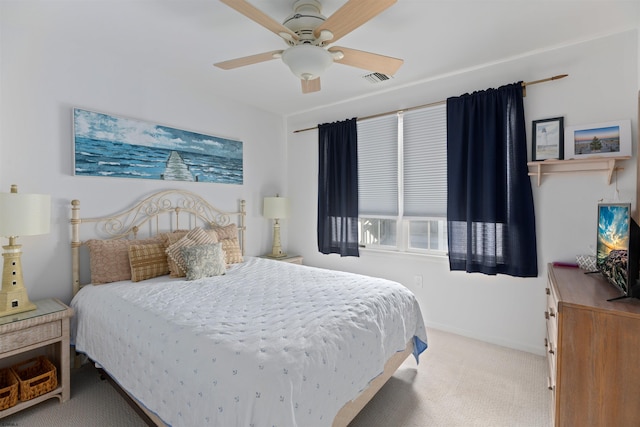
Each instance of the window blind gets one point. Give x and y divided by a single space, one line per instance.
378 166
425 162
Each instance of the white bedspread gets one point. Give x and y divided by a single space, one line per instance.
268 344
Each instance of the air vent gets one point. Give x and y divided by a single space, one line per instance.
376 77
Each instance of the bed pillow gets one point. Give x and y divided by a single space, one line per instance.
197 236
228 236
148 261
171 237
109 259
232 251
203 261
227 232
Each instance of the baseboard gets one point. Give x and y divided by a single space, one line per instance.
538 350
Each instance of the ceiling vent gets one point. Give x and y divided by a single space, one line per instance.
376 77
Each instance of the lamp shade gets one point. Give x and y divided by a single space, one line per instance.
275 207
307 61
24 214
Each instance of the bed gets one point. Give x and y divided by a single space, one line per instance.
254 342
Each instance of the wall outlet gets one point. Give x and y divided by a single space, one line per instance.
417 281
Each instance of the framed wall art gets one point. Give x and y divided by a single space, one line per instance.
547 139
110 146
609 139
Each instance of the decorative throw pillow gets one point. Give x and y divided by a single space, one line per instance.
232 251
171 237
109 259
147 261
227 232
203 261
228 236
197 236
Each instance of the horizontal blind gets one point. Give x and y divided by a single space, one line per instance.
378 166
425 162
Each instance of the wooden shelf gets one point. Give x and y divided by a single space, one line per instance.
586 165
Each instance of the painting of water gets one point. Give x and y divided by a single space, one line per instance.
111 146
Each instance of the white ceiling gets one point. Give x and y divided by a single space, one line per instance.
184 38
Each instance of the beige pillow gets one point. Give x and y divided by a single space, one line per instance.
228 236
148 261
227 232
232 251
197 236
109 259
173 236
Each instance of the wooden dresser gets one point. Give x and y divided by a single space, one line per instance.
593 350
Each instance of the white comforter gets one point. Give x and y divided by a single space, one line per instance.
268 344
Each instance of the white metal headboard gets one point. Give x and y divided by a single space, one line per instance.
177 205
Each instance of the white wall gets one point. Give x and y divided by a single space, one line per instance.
44 74
602 86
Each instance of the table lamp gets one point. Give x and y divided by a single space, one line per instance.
20 215
276 208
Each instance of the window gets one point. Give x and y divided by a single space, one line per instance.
403 181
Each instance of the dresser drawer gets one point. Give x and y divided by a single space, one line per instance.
33 335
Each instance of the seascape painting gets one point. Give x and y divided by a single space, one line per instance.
110 146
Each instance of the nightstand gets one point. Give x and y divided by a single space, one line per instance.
40 332
293 259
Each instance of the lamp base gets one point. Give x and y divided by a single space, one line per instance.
13 295
15 302
280 255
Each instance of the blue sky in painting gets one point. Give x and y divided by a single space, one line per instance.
613 227
602 133
103 127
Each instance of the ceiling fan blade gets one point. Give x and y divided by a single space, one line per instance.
248 60
351 15
255 14
309 86
368 61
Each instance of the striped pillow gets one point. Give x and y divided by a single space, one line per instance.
147 261
197 236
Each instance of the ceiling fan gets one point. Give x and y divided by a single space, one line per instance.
308 33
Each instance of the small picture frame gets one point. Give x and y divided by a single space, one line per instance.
608 139
548 139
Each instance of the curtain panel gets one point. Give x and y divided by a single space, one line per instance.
490 213
338 188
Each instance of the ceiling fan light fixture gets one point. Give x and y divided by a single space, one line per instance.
307 61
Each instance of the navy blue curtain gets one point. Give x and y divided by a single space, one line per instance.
338 188
490 216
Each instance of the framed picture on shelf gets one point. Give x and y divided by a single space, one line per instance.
548 139
609 139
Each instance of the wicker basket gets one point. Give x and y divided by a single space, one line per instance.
8 389
36 376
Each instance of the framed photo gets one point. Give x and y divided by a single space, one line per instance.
548 139
609 139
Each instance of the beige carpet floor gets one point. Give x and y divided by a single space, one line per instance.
460 382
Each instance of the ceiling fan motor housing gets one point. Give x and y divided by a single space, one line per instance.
305 18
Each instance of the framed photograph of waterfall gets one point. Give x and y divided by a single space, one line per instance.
547 139
111 146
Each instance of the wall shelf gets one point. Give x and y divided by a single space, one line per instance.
585 165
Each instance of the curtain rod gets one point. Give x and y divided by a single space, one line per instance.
433 104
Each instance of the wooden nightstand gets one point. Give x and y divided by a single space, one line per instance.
44 331
293 259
